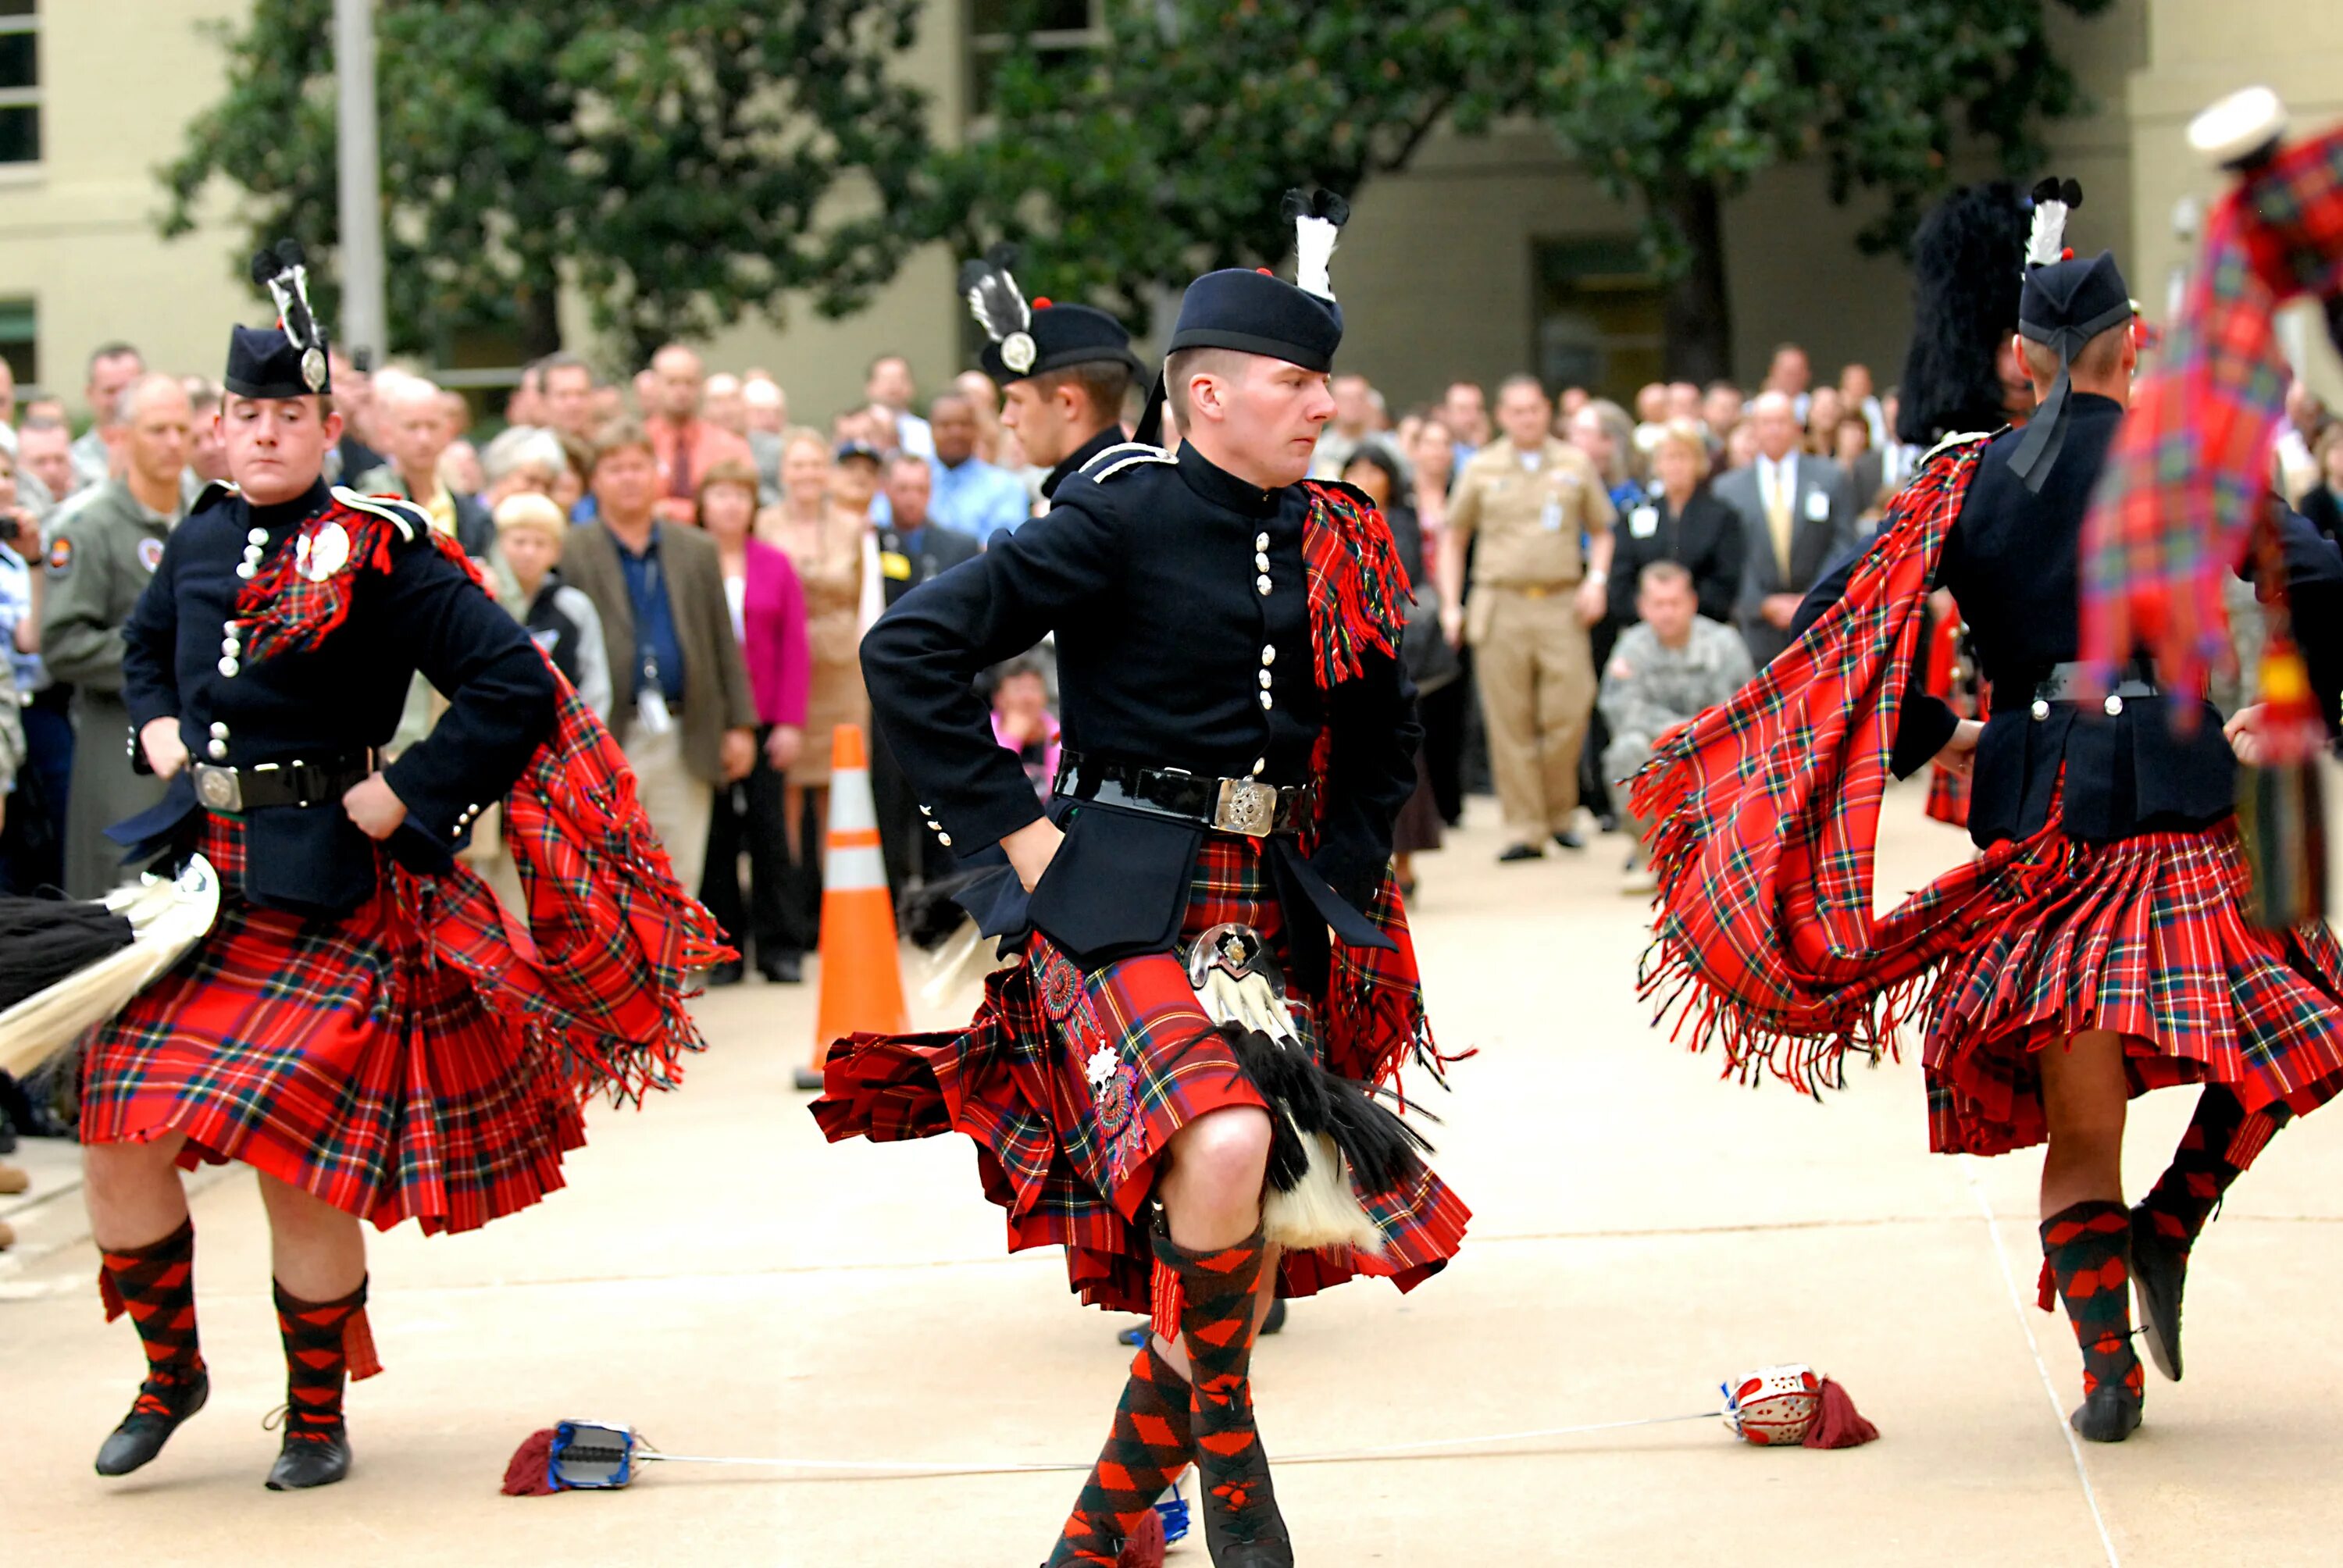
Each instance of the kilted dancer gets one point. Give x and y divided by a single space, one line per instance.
361 1025
2095 948
1212 960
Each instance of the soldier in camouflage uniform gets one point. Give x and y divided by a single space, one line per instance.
1670 665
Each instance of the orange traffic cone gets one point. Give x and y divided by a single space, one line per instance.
861 975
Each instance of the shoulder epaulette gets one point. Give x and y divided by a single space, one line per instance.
212 495
1960 438
411 522
1124 455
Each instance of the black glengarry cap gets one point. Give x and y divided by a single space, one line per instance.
1257 312
288 360
1034 337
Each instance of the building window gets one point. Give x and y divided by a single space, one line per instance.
1063 33
20 82
20 343
1599 322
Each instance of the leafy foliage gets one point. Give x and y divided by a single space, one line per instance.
683 163
1168 153
1647 93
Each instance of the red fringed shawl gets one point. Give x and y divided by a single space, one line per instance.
1374 1018
598 974
1767 813
2190 464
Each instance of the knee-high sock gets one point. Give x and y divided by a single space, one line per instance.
324 1342
1217 1326
2221 1140
2088 1248
1148 1446
155 1284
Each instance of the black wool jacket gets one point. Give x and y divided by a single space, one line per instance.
2012 560
1180 602
425 615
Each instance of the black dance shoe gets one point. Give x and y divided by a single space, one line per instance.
2158 1270
307 1461
1570 839
1522 852
2108 1413
1275 1321
725 974
151 1422
1271 1549
782 968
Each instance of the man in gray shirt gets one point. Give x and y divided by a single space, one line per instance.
1667 666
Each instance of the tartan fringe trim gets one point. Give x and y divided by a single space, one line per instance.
1756 1043
1357 584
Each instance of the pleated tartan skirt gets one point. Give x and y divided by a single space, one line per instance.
2146 937
1072 1083
334 1055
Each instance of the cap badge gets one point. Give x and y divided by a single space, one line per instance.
1017 352
313 367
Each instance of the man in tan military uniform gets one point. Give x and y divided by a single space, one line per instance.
1534 594
100 557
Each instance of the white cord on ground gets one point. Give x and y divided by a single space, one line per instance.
903 1469
2033 1348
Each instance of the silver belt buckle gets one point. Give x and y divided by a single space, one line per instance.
1246 805
218 788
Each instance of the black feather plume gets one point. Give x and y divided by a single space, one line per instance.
994 297
1966 285
1383 1150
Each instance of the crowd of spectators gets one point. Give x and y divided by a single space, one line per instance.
702 564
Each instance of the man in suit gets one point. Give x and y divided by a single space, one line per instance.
681 709
912 548
1797 513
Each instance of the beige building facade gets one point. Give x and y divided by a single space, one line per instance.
1489 257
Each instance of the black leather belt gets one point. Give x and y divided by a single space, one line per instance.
230 791
1252 807
2066 683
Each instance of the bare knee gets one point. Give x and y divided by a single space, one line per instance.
1224 1153
291 1210
120 1169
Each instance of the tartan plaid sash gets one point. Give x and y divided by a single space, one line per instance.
1767 809
1375 1016
601 971
2190 464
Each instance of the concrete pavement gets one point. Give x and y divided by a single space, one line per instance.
722 1280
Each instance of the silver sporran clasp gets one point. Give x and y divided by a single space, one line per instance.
1238 983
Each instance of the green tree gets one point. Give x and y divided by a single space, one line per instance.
1166 150
682 163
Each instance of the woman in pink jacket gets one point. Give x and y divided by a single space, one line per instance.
769 617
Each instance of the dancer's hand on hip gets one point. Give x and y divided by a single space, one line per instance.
166 752
1958 757
1031 849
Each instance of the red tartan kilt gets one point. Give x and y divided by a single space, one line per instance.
2146 937
306 1048
1071 1084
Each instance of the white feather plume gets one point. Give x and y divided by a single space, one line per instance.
2053 199
2048 240
1313 248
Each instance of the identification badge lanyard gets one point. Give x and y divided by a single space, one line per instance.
651 711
